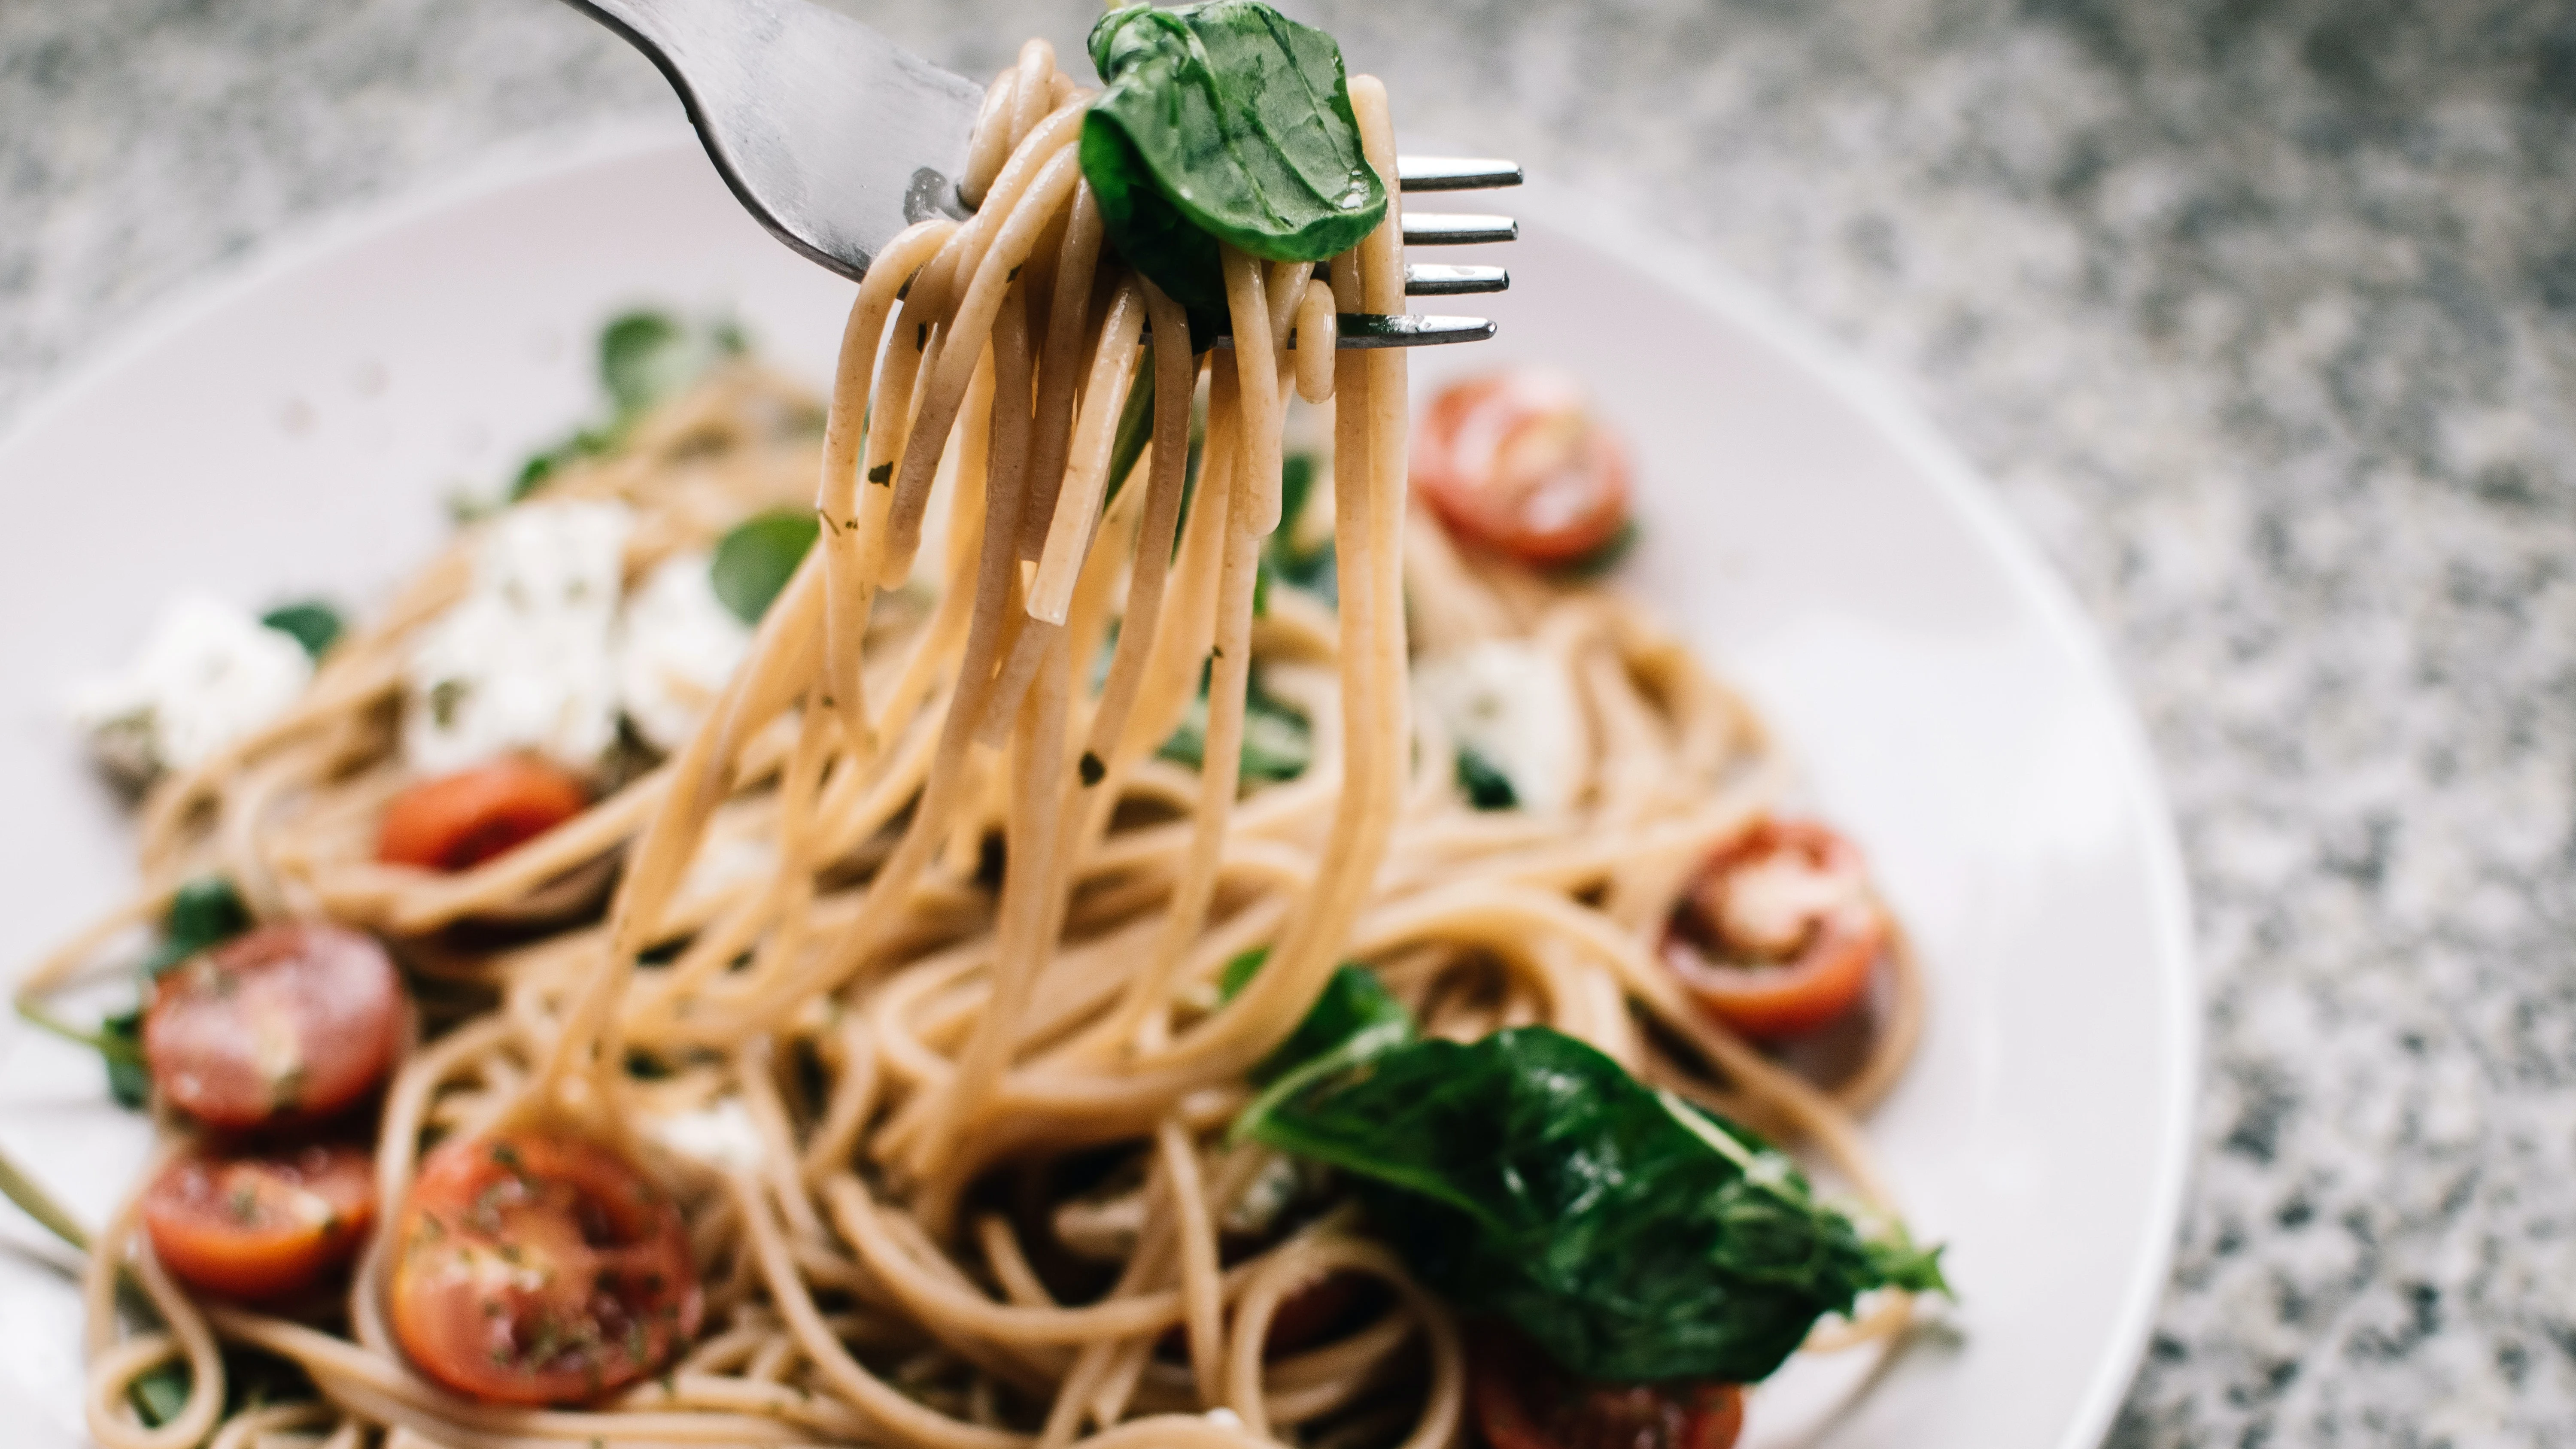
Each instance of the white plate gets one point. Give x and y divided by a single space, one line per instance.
296 429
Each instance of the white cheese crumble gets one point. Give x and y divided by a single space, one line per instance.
677 644
522 662
1512 705
209 673
720 1134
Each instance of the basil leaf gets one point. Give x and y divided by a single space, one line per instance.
161 1394
1223 121
646 357
1603 559
120 1046
1631 1235
1135 428
1353 1019
1239 971
755 561
1278 743
312 623
1484 783
542 465
204 912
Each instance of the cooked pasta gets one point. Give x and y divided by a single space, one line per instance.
925 913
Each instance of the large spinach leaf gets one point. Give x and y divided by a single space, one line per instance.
1633 1236
1223 121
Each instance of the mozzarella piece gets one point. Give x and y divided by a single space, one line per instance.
720 1134
677 644
208 674
523 661
1513 705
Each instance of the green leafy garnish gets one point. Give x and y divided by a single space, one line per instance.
1604 558
1239 971
313 624
160 1394
645 357
204 912
1352 1020
1631 1235
1223 121
1483 782
755 561
1278 743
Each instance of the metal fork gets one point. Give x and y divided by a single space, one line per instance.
836 139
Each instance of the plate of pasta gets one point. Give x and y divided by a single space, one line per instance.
621 840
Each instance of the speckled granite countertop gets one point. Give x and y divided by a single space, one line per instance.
2261 314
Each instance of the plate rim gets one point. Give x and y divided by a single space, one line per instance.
1617 232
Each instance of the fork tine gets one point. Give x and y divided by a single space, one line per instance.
1453 229
1434 279
1454 173
1379 329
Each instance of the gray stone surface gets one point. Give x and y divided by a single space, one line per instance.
2261 314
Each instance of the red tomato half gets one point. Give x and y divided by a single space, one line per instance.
268 1225
1516 461
1787 909
459 821
540 1269
1522 1401
285 1023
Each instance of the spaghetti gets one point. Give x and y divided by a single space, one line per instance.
946 1076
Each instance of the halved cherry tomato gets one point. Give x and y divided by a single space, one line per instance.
1522 1401
537 1268
1787 910
459 821
1517 462
267 1225
285 1023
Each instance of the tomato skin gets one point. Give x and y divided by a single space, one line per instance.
1311 1316
263 1226
1516 461
459 821
539 1268
285 1023
1787 906
1522 1401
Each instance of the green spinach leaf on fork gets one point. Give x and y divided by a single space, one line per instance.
1223 121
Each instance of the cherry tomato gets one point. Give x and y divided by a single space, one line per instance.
281 1024
267 1225
459 821
1516 461
535 1268
1522 1401
1787 909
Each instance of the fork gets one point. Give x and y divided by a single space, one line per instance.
836 139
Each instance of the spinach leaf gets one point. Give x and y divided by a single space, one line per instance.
755 561
1239 971
1603 559
1633 1236
120 1046
544 463
1353 1019
645 357
1222 121
1278 743
1484 783
1282 561
312 623
204 912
